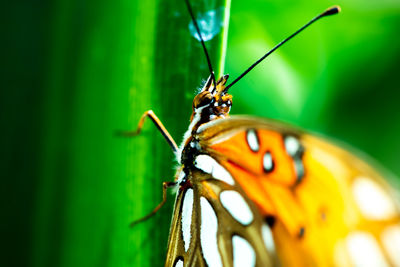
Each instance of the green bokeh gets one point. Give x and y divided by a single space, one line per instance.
75 72
340 77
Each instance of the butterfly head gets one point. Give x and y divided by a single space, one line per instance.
213 101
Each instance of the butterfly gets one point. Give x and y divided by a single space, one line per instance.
257 192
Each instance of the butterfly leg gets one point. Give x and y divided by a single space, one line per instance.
166 185
157 123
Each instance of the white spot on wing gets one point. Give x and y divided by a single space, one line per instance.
268 163
268 238
237 206
208 234
209 165
292 145
391 242
364 251
243 253
373 201
187 209
252 140
179 263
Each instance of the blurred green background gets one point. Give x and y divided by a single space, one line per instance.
74 72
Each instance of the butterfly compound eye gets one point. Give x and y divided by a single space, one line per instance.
202 99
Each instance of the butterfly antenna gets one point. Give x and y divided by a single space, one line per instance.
201 40
330 11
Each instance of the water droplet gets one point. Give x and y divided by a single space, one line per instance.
210 24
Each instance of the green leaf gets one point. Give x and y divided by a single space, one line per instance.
109 63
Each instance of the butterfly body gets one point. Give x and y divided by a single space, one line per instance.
255 192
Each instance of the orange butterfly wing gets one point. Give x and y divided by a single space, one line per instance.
319 196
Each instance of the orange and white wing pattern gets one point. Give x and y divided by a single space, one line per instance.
325 206
215 223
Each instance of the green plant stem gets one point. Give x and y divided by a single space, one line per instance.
109 63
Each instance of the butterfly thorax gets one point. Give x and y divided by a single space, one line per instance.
211 103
